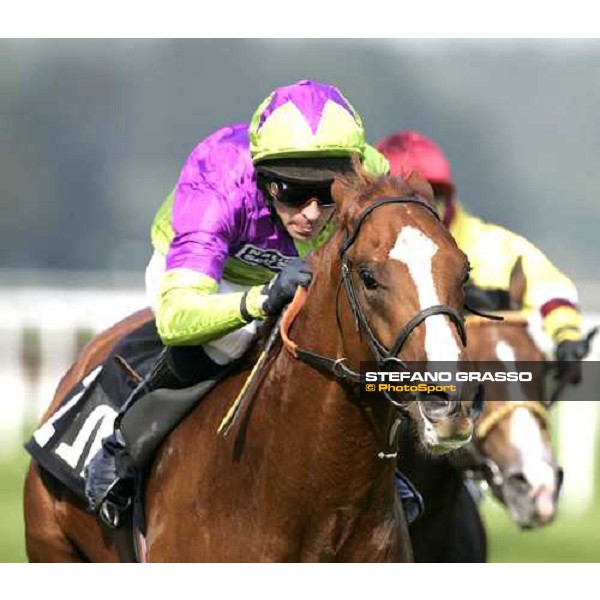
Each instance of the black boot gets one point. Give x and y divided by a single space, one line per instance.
109 480
178 380
412 501
109 475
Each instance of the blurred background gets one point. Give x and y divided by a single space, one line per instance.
93 135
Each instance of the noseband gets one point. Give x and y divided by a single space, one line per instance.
382 355
489 422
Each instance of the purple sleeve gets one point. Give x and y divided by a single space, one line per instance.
206 215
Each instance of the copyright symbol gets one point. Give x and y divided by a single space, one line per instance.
370 387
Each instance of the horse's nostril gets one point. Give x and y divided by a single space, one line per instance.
479 401
434 407
436 404
519 482
560 475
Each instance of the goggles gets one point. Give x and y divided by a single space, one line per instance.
298 194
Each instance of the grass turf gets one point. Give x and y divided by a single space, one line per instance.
572 538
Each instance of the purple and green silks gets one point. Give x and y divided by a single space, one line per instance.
217 225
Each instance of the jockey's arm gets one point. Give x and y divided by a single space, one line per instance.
550 291
493 251
189 312
195 230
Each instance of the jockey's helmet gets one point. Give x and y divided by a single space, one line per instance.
409 151
305 132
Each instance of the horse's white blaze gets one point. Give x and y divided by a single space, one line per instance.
416 251
526 438
526 435
507 355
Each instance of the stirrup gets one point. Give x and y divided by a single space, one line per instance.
112 507
111 513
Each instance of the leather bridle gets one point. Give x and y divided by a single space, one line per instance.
489 422
382 355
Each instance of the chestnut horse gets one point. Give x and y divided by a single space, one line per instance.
511 450
304 475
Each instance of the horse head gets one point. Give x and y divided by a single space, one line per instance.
512 441
397 278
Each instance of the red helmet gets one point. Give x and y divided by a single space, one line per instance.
409 151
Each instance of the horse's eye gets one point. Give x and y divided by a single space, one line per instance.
367 278
466 278
467 274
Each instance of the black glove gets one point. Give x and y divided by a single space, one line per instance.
282 288
568 358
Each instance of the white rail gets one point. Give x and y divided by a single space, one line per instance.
39 332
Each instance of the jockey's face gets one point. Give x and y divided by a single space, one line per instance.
303 210
306 222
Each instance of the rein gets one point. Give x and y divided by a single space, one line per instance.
337 366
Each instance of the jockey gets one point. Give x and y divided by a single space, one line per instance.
493 250
229 244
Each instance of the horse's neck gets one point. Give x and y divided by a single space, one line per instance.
336 441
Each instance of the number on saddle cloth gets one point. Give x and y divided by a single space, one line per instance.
67 441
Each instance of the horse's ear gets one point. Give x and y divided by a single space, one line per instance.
420 186
356 163
343 187
347 186
517 285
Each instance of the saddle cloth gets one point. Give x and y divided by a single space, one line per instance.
70 438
